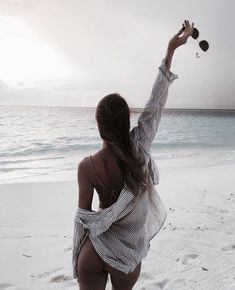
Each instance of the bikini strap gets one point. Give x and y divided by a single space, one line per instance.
95 172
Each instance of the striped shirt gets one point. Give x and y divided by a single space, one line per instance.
121 233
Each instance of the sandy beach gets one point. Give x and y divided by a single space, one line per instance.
194 250
64 65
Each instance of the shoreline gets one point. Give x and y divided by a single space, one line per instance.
178 163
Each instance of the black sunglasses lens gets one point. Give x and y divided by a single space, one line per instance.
195 33
204 45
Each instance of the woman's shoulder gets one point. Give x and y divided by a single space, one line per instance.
83 166
102 154
84 161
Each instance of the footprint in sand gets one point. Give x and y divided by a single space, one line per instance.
46 274
161 284
5 285
145 276
229 248
157 285
69 248
60 278
188 259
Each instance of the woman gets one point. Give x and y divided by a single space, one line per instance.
115 239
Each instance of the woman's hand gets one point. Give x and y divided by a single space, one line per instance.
182 36
177 40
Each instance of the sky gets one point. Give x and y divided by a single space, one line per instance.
74 52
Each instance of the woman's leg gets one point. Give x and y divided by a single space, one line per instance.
91 268
122 281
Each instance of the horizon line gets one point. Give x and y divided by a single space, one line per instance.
131 108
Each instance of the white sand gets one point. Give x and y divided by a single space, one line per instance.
194 250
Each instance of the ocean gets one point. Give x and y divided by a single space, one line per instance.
47 143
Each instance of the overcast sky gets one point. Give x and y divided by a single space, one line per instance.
73 52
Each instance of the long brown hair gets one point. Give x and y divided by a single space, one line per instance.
113 119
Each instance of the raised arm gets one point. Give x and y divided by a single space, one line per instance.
149 119
177 40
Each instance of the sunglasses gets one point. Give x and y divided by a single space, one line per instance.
204 45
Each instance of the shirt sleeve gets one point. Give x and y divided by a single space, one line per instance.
149 119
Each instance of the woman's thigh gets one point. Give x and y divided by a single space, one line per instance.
122 281
91 268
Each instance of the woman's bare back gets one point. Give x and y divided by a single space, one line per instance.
106 176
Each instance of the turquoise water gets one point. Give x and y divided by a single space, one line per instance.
43 143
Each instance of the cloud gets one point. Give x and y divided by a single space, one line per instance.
118 45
